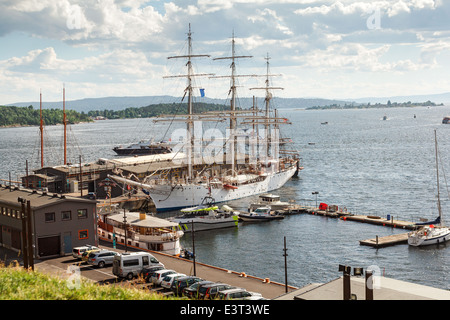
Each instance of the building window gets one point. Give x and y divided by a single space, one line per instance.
83 234
82 213
50 217
66 215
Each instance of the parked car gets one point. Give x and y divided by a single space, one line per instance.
85 255
180 283
167 281
159 275
210 291
130 265
147 272
238 294
193 289
101 258
77 252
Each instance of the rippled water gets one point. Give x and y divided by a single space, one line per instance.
357 160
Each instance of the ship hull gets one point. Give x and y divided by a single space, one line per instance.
167 198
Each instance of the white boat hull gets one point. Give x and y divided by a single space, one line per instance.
203 224
166 197
421 238
170 247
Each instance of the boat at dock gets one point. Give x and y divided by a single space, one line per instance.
271 200
143 147
229 173
206 216
260 214
139 230
433 232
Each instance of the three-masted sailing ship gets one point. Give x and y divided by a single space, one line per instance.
249 162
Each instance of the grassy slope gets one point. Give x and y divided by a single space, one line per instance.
16 283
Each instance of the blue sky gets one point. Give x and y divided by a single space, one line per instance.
321 48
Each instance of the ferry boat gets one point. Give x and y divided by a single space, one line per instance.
139 230
242 174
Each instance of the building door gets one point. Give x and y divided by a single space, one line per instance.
49 246
67 242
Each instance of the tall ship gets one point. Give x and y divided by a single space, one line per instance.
246 162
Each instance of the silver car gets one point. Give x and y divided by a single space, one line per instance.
101 258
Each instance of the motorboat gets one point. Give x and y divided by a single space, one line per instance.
271 200
260 214
206 216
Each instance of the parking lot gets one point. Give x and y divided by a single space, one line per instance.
67 265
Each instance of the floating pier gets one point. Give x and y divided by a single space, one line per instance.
381 242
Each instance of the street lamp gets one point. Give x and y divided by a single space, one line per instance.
316 193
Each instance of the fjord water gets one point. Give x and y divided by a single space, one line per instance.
358 160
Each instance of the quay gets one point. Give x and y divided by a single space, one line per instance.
381 242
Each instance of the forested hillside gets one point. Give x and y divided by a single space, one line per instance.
28 116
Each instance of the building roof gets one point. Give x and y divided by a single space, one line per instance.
133 218
384 289
37 199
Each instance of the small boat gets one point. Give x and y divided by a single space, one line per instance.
433 232
385 117
143 148
206 216
271 200
260 214
446 120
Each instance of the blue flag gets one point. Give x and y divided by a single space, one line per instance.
202 92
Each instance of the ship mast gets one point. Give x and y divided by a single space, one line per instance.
233 57
189 91
41 129
65 125
267 99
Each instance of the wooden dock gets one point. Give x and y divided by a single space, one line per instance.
381 242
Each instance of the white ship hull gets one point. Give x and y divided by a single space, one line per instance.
205 223
167 198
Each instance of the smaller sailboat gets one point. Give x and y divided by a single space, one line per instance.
432 232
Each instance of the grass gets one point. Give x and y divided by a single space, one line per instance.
16 283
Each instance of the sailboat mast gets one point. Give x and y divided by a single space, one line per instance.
437 177
65 125
41 129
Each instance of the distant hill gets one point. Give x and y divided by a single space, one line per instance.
120 103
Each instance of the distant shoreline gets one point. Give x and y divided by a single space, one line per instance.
388 105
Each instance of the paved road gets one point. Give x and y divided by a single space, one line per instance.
62 266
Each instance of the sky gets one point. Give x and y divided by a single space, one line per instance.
317 48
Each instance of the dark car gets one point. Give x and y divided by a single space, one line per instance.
147 272
210 291
179 284
192 290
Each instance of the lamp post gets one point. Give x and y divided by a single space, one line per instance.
125 227
316 193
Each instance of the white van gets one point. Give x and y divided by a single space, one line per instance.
129 265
